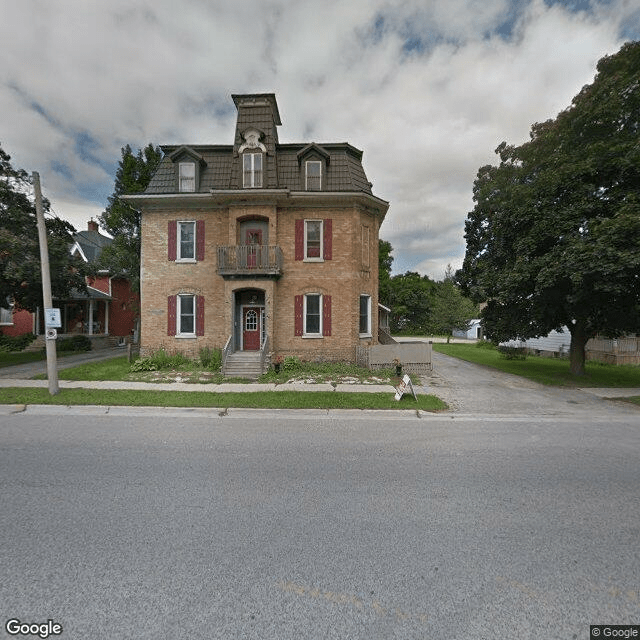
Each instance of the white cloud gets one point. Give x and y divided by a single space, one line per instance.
426 89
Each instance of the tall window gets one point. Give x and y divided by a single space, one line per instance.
313 175
186 315
312 314
252 169
365 315
187 171
186 241
313 239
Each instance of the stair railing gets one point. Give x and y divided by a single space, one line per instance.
264 348
226 352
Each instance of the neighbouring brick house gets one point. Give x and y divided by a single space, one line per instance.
106 312
109 307
260 246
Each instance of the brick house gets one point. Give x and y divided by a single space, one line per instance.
109 307
259 247
106 312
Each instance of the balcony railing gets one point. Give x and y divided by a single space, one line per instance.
249 259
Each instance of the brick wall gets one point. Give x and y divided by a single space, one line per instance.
344 278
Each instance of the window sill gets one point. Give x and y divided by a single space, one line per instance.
313 335
188 336
186 260
313 260
365 335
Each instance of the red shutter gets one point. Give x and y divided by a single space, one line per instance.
299 240
326 315
298 320
327 253
199 315
171 315
200 240
172 236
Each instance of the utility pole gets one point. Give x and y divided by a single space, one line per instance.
52 363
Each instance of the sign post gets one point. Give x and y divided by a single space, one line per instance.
50 312
404 386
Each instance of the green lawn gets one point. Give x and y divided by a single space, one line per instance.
550 371
118 369
251 399
20 357
111 369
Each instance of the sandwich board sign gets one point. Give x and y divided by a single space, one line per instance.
52 318
404 387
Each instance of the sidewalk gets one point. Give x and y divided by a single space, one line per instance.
207 388
20 376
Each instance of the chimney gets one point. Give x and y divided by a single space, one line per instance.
92 226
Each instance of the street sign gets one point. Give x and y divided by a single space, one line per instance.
52 318
404 386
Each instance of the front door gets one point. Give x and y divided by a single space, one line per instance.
251 328
253 240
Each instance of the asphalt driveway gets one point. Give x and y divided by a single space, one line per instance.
473 389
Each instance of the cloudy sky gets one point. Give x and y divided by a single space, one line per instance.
427 88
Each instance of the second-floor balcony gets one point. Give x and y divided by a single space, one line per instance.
249 260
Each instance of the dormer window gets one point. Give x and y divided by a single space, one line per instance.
252 170
187 176
313 175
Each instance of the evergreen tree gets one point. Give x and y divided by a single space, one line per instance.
121 220
385 260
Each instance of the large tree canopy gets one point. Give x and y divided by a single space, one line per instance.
20 271
554 237
120 219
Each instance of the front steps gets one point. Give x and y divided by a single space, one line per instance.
243 364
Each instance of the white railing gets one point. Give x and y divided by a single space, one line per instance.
264 348
226 352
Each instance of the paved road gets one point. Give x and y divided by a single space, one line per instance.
186 524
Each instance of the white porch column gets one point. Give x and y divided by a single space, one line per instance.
106 317
90 323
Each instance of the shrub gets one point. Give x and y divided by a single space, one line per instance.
74 343
513 353
485 344
9 344
160 360
291 363
211 358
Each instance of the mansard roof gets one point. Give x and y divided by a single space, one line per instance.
221 167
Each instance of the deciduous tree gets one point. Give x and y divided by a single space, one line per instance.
20 271
554 237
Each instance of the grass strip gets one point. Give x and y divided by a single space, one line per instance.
21 357
193 399
549 371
